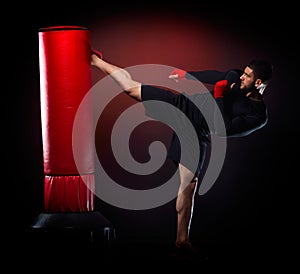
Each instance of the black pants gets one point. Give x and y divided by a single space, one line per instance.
189 156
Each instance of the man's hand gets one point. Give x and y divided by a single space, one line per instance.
221 87
177 74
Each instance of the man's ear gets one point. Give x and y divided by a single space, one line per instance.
258 82
260 85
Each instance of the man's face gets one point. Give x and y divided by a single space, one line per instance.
247 79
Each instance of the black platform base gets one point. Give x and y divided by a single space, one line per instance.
77 228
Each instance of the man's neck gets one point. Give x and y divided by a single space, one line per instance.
254 95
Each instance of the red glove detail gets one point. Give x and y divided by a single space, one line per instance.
97 52
181 73
220 88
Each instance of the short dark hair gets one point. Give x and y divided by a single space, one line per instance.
262 69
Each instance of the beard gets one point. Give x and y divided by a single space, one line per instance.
246 90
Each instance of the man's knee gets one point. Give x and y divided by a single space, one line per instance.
134 91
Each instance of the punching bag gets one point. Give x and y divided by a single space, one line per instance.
65 78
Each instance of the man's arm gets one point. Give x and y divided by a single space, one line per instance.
241 125
205 76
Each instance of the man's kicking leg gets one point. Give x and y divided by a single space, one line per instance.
119 75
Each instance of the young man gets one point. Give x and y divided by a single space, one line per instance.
239 97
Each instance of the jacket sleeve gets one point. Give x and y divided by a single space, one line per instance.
206 76
240 125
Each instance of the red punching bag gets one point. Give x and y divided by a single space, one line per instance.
65 78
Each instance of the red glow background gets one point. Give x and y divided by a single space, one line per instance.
172 39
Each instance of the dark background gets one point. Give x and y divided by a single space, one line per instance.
249 211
